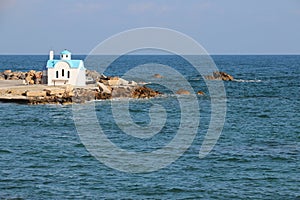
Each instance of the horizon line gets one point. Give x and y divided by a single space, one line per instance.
154 54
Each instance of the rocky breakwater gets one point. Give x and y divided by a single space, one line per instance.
102 88
220 76
115 87
31 77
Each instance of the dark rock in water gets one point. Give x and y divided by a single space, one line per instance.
157 76
200 93
144 92
220 76
183 92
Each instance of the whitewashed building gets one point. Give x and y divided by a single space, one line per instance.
64 71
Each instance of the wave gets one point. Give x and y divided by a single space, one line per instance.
247 81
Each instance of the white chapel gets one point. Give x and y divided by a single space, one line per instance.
64 71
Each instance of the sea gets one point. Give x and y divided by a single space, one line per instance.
43 154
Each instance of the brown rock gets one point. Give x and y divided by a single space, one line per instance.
182 92
200 93
121 92
220 76
143 92
103 88
157 76
7 72
38 75
114 78
113 82
95 75
28 79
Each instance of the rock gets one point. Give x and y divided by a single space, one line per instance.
28 79
31 82
7 75
38 81
200 93
7 72
69 88
36 93
104 88
182 92
13 78
69 94
107 88
22 76
220 76
55 91
32 72
144 92
123 82
121 92
113 81
95 75
38 75
132 83
157 76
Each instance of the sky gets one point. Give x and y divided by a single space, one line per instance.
220 26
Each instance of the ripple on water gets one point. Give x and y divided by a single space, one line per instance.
5 151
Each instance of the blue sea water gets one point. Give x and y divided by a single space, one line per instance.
256 157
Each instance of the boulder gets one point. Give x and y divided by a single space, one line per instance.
38 75
95 75
69 88
200 93
132 83
5 72
182 92
104 88
22 76
31 82
220 76
113 81
144 92
123 82
28 79
157 76
121 92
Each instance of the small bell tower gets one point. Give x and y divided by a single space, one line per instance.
65 55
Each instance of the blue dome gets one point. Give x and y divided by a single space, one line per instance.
64 52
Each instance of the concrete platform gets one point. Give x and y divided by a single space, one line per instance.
11 83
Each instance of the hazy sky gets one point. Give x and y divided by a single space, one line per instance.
220 26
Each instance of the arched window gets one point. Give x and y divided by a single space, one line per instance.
56 74
68 74
62 72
